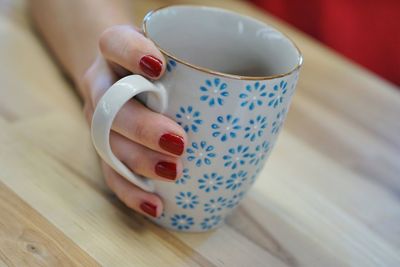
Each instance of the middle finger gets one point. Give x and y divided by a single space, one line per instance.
144 161
151 129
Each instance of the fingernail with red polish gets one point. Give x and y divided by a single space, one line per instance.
149 208
172 143
166 170
151 66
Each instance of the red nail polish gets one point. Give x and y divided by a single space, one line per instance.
149 208
172 143
151 66
166 170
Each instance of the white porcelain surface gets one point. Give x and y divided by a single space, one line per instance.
232 122
221 40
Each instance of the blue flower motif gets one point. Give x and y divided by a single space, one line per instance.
187 200
254 176
188 119
210 222
202 153
182 221
215 205
253 96
277 95
236 180
277 124
237 156
256 127
226 127
171 64
234 201
260 153
185 177
214 92
210 182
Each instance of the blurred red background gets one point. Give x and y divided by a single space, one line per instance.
366 31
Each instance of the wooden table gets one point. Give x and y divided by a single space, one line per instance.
329 195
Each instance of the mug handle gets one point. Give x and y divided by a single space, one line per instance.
106 110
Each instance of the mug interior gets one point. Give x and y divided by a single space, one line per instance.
221 41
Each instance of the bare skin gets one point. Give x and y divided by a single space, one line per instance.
95 49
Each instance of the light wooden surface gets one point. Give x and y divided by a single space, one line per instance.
329 195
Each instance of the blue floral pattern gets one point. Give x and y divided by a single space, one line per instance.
210 182
214 205
236 156
256 127
187 200
236 180
231 128
171 64
254 176
214 92
189 119
210 222
225 127
200 153
277 95
253 96
184 178
234 201
260 153
277 124
182 221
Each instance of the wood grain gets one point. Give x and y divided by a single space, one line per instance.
328 196
26 238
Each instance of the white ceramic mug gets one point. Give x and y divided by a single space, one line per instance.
229 83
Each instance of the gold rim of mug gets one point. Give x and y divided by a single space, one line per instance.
221 74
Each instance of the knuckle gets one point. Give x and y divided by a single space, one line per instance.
140 131
88 111
106 35
88 83
87 78
130 199
95 81
134 161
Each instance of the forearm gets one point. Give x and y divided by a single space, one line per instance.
71 29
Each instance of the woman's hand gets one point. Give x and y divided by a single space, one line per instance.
148 143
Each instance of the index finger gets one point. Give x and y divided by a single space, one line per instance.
125 46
